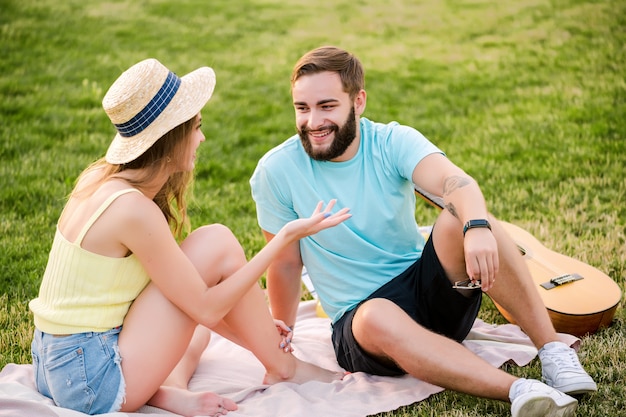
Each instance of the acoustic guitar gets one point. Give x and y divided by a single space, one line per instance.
580 299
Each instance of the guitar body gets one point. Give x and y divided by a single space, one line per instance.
583 302
580 299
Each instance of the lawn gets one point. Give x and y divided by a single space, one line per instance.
528 96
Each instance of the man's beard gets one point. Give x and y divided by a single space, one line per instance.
344 137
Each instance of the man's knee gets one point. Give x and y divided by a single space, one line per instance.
374 317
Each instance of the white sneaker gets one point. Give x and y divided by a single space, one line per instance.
531 398
561 369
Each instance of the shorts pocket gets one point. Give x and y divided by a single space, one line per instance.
38 373
67 379
39 382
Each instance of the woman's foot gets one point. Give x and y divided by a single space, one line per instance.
305 372
188 403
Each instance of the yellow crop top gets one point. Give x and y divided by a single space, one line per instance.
82 291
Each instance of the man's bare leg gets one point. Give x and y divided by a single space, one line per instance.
386 331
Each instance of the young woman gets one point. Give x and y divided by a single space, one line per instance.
124 310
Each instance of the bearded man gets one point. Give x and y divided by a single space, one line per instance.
391 295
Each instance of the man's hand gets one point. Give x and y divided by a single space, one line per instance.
481 257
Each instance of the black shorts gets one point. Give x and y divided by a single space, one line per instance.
424 292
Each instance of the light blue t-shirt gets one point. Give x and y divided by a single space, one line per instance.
348 262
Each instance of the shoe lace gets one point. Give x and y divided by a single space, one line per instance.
566 360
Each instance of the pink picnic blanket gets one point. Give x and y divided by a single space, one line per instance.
231 371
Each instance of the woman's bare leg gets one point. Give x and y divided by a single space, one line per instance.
155 342
157 354
186 367
250 321
174 393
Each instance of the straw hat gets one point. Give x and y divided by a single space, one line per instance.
147 101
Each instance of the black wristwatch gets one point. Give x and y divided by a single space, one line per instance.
476 223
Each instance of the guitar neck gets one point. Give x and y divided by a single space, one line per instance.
431 199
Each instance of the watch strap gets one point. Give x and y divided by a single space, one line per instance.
472 224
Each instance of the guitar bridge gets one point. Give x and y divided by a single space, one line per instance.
561 280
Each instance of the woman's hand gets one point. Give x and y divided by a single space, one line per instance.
287 335
319 220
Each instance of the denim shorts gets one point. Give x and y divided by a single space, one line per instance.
425 293
81 371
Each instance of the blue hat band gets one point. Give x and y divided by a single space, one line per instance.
152 110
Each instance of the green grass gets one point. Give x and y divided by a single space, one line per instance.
528 96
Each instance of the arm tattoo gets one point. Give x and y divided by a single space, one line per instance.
453 183
452 210
449 186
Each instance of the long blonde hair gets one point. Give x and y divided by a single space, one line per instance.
172 197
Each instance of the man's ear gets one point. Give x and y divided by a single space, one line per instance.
359 102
